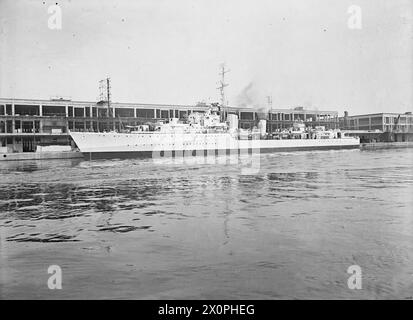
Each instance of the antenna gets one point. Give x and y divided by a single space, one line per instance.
222 86
269 102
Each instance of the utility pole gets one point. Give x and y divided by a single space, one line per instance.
104 97
269 101
108 95
110 112
221 88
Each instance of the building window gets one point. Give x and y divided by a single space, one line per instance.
124 112
182 114
9 126
377 120
102 113
79 112
26 110
364 121
164 114
37 126
54 111
79 126
87 112
70 111
247 115
145 113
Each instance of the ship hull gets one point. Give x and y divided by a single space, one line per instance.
149 154
132 145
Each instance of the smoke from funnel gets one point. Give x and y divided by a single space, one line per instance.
248 97
252 97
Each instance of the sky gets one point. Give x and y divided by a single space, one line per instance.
300 52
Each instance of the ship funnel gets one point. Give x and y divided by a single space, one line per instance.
233 121
262 126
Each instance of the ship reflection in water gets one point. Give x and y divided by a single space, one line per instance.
142 229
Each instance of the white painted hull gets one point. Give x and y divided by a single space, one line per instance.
154 142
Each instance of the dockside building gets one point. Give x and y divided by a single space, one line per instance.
384 127
26 124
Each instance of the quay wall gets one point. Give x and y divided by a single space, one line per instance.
386 145
18 156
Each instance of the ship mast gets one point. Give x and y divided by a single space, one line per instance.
221 88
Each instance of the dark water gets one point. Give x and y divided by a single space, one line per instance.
139 229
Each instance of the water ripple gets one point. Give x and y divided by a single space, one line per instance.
288 231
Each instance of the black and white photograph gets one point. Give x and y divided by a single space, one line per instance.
194 150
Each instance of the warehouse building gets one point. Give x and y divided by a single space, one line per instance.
384 127
26 124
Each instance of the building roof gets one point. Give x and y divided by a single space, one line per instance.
64 102
379 114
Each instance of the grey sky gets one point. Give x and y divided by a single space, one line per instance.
157 51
